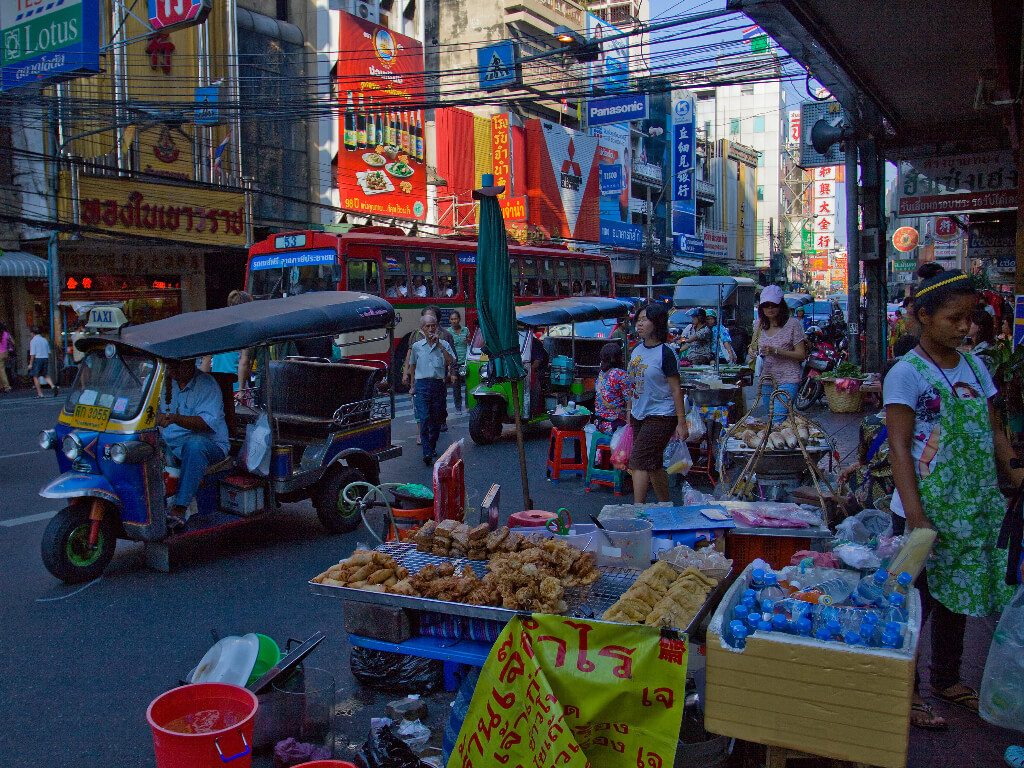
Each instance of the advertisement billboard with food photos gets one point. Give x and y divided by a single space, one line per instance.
382 169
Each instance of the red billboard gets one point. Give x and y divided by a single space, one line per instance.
382 168
563 185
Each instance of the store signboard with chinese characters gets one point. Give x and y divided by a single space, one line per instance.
982 181
165 211
45 42
684 160
382 169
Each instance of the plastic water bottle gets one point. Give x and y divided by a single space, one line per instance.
767 605
740 637
852 638
829 592
803 626
890 640
771 589
871 589
757 579
764 623
735 629
901 584
752 621
748 594
896 612
793 609
780 623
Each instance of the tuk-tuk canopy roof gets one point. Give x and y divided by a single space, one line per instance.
574 310
703 290
308 315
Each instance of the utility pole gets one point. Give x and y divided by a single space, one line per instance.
853 251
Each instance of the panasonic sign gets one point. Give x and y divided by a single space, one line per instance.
616 109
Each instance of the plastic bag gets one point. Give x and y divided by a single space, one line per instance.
622 446
414 733
292 752
383 749
395 672
859 556
1002 685
256 450
695 426
865 527
677 459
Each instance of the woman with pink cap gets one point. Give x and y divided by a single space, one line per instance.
782 347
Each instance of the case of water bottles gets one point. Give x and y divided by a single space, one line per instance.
827 669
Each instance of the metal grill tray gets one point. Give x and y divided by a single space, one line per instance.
589 602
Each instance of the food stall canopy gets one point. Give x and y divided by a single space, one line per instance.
704 290
911 65
577 310
309 315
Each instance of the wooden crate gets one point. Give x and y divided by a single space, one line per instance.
826 699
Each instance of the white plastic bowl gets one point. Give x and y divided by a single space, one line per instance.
230 660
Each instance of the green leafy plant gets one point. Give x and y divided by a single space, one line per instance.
1007 368
845 370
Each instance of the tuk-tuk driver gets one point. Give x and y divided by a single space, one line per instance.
193 428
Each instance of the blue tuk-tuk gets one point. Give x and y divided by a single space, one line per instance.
329 424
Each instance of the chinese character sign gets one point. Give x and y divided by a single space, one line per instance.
561 691
684 146
501 153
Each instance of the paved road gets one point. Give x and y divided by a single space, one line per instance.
81 664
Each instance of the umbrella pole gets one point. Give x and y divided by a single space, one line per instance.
517 401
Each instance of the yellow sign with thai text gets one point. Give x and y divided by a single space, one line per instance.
578 693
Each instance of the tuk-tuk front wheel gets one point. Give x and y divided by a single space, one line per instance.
485 423
336 514
65 547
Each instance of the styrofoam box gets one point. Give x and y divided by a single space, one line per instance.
240 500
825 698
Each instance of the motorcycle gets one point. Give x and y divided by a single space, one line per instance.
822 357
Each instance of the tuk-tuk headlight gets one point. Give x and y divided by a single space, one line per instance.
72 446
47 439
134 452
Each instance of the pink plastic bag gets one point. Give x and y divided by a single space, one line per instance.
622 446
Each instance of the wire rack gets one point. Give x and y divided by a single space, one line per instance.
588 602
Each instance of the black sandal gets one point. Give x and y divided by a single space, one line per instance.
966 698
930 721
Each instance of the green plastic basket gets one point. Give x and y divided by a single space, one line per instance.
268 655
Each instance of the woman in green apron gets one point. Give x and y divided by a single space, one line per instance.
945 440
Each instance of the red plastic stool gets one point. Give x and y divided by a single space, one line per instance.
558 462
530 518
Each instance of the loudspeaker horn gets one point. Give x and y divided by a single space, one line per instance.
824 135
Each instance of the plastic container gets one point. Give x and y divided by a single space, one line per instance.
632 537
1002 685
267 656
230 660
205 724
530 518
771 589
563 370
871 589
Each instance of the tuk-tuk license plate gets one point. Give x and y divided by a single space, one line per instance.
91 416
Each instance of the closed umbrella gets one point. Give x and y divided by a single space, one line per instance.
496 308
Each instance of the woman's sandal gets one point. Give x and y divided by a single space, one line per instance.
926 718
961 695
1014 757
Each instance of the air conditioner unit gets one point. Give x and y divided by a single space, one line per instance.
364 9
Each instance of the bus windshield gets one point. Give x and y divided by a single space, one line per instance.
292 273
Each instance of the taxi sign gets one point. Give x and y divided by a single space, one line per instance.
91 417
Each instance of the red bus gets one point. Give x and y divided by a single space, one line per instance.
414 272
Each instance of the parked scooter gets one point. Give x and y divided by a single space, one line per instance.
823 356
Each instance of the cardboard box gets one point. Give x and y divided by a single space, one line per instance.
379 622
828 699
241 495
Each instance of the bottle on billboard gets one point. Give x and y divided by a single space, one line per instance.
379 137
389 128
361 123
396 130
418 133
405 132
371 124
350 123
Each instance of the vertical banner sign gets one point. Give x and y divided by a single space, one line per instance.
382 169
47 41
512 208
615 168
576 693
684 158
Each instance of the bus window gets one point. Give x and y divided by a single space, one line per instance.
421 271
529 283
604 279
396 273
562 275
576 269
547 279
590 271
362 276
447 275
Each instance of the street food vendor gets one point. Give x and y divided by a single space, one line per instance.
192 426
782 347
610 390
696 345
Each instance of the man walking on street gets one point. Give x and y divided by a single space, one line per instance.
39 361
430 362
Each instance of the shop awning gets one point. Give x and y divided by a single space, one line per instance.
21 264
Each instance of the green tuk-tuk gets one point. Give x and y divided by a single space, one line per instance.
573 362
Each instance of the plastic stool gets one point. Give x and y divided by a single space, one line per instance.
558 462
599 465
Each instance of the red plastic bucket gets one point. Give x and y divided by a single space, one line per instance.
326 764
203 726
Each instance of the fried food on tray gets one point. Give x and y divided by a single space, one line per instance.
663 597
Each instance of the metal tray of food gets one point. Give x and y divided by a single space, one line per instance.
588 602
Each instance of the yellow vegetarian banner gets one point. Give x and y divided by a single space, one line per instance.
557 691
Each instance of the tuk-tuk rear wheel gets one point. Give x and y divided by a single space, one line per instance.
337 515
65 546
486 420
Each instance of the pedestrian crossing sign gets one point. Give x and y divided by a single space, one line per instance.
498 66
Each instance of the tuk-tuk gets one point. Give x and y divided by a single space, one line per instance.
573 363
329 425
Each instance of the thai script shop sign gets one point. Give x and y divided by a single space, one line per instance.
166 211
47 40
957 184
